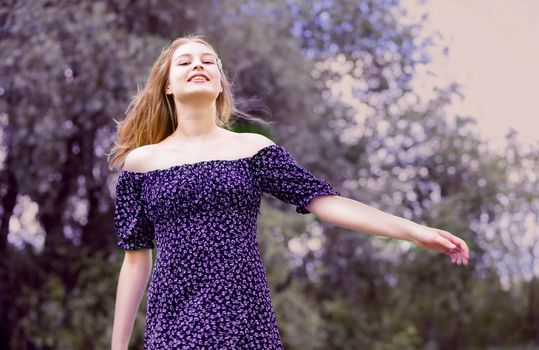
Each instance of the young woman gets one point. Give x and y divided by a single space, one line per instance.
194 188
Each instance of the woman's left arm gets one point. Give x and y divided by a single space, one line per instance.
354 215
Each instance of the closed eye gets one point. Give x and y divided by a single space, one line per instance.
184 63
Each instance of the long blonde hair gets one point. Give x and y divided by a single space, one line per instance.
151 114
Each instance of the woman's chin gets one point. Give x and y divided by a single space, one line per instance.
198 94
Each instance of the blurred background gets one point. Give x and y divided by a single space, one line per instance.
423 109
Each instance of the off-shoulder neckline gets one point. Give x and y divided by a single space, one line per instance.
198 163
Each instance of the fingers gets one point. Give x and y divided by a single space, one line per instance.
450 237
463 259
457 256
457 241
449 244
446 243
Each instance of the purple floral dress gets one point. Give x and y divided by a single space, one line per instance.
208 288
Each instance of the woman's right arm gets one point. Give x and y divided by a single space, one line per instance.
133 279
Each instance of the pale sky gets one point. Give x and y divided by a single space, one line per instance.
494 52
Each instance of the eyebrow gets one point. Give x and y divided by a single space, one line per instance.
188 54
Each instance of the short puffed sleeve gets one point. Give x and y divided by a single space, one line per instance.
134 229
280 175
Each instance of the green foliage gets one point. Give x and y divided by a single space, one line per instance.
49 314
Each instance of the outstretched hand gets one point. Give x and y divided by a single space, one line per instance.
442 242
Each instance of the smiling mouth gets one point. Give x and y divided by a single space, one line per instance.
199 78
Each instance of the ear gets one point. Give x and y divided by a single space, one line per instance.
168 91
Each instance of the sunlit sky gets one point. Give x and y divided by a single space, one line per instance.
494 52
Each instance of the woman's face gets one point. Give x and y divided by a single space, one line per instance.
188 61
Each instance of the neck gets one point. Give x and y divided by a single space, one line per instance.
196 121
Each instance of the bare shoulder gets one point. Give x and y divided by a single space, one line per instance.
257 141
137 159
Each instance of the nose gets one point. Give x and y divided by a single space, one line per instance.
198 64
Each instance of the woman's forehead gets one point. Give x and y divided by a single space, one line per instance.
193 49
